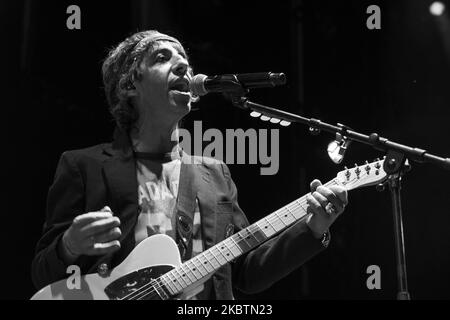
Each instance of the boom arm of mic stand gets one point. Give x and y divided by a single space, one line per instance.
316 125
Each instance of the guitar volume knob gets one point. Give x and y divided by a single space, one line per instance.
103 269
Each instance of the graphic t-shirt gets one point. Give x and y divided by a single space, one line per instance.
158 180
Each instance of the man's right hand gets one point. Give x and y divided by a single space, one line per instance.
93 233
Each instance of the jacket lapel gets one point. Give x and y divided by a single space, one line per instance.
185 208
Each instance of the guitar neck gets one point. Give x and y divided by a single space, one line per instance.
209 261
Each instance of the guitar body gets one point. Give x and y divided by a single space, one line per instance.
150 259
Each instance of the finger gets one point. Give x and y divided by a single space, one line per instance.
315 206
331 197
106 209
110 235
314 184
341 193
100 226
104 248
84 219
321 198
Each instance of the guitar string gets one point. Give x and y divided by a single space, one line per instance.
141 292
294 205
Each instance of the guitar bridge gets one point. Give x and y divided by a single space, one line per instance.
143 284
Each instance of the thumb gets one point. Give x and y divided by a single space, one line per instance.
314 184
106 209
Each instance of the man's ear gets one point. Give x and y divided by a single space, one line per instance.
131 90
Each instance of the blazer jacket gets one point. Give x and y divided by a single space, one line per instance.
87 180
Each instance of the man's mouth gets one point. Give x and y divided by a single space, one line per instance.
181 86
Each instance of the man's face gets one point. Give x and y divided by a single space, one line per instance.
163 91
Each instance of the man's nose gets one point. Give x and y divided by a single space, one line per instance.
181 67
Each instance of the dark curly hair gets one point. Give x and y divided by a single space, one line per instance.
121 68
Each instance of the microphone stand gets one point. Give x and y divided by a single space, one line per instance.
395 165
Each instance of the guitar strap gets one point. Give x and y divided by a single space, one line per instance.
186 202
184 237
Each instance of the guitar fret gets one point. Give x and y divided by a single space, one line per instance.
241 242
300 205
264 226
228 254
178 286
181 278
280 218
204 263
216 265
192 269
249 235
207 263
277 223
159 290
165 280
198 268
271 224
186 275
235 246
289 216
292 213
221 257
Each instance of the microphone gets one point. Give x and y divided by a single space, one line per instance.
234 83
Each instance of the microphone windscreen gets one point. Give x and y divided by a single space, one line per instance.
197 85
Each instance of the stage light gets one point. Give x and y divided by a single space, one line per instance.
437 8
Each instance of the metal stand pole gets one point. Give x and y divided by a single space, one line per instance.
394 182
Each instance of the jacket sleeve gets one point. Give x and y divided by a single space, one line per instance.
260 268
65 201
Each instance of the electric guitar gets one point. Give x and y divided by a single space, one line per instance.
154 271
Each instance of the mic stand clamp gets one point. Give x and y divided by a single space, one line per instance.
239 100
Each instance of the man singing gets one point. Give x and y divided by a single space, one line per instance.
107 198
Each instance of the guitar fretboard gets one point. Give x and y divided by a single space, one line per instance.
209 261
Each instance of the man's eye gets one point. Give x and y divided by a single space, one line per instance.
161 58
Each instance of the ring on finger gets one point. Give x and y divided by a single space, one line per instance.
330 209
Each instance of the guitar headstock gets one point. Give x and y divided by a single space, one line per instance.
361 176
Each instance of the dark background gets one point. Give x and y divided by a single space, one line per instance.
394 81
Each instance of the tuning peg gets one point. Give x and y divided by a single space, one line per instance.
357 170
347 173
378 165
367 167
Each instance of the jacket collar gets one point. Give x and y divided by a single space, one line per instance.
121 145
